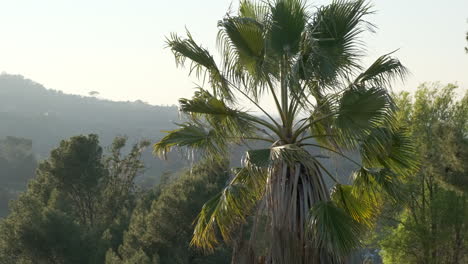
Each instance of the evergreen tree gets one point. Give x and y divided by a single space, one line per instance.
17 165
76 208
161 226
432 227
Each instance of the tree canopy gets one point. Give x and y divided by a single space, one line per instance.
17 165
431 227
83 206
76 207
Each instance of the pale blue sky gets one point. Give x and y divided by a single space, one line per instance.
116 47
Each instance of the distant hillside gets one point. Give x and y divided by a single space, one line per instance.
29 110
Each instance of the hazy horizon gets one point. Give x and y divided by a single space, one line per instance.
117 47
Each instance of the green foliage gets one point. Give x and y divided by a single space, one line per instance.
222 213
356 204
440 238
332 44
229 122
431 226
361 110
288 20
202 62
242 39
161 227
334 228
17 165
40 235
75 168
139 257
384 70
189 135
76 208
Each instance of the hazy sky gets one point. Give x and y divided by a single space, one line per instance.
116 47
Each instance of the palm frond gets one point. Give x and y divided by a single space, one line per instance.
332 45
360 208
360 110
259 158
343 122
378 182
193 136
382 72
202 62
254 10
321 121
221 215
245 36
288 20
228 122
333 229
389 148
241 40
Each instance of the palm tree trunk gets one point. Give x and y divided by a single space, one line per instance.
242 252
292 191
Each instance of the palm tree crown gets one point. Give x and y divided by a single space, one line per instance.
308 63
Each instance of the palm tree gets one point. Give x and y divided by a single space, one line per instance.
308 64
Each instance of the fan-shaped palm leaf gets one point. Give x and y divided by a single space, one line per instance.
254 10
242 41
202 62
288 22
383 71
227 210
360 208
230 123
332 45
192 136
378 180
347 119
333 229
387 148
360 110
